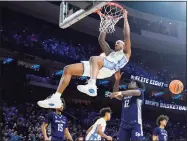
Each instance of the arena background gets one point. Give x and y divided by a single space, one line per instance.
34 50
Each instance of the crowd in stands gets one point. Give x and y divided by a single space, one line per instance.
24 124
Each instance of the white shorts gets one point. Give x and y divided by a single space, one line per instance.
103 72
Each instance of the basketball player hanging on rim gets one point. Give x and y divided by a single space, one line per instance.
98 67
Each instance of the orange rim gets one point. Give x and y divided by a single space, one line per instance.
111 4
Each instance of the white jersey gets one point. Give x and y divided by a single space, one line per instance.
93 135
112 63
115 60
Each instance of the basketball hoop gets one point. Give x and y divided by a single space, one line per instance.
110 14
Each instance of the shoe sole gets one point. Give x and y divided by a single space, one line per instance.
89 94
47 106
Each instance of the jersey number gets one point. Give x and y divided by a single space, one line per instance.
60 127
126 104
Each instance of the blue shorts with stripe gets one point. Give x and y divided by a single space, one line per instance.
131 132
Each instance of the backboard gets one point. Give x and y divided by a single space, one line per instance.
71 12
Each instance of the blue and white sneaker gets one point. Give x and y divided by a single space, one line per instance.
53 101
88 89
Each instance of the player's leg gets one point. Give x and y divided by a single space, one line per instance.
54 101
96 63
69 71
123 135
137 133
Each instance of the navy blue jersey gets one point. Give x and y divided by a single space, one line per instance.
58 124
131 109
161 133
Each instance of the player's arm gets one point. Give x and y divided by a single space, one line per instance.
90 128
154 138
68 135
117 76
44 127
127 40
48 119
155 135
104 45
116 85
99 131
128 93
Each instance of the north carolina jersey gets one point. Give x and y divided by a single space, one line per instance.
111 64
131 109
115 60
58 124
161 134
93 135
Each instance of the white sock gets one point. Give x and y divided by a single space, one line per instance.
57 94
92 81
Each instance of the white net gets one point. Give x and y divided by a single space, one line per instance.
110 14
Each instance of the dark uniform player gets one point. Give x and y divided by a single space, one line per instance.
159 133
59 125
131 118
